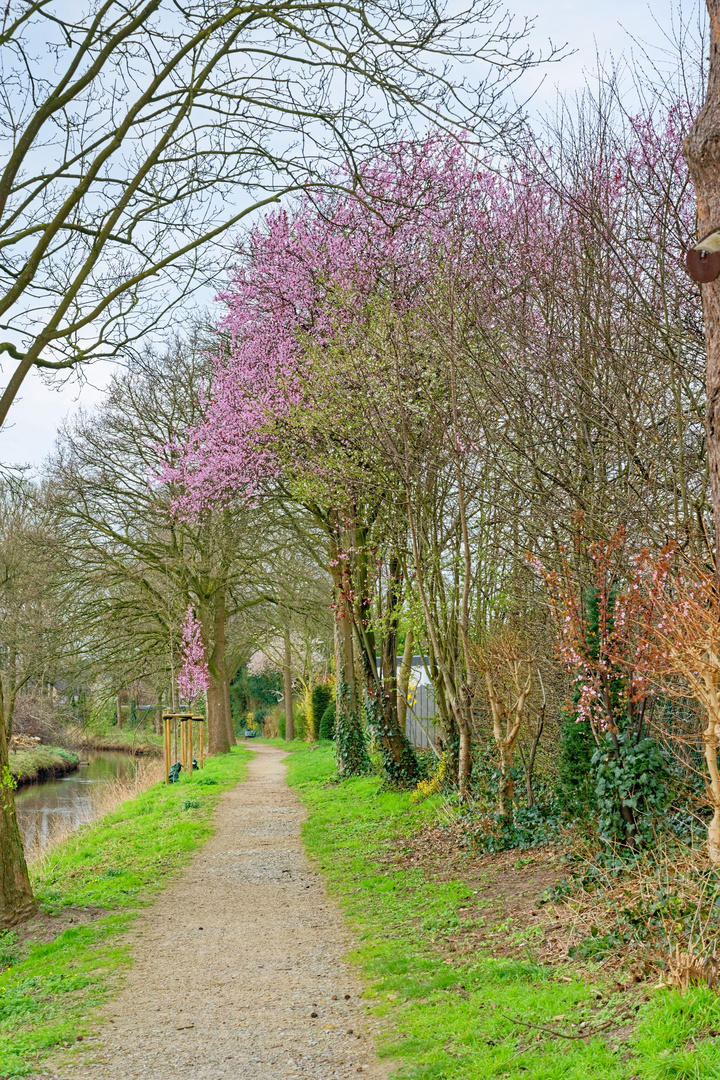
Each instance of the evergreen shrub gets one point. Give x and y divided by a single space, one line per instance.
321 698
327 723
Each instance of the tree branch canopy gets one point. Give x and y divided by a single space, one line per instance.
138 133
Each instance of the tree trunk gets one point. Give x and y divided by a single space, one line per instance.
222 671
216 723
287 686
464 752
350 750
451 693
702 154
404 681
118 710
211 623
506 786
531 759
400 763
17 903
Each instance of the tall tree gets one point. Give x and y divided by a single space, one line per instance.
702 153
136 564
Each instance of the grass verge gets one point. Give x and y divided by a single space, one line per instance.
101 877
482 1016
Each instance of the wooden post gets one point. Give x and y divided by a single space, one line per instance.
167 746
175 724
190 745
201 748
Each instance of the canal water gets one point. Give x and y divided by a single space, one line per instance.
51 809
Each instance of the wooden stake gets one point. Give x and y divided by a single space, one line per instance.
190 746
201 753
167 746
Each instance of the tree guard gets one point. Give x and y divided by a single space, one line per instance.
186 760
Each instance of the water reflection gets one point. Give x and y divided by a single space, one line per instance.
55 807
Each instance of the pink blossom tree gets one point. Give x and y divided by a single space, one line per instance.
287 397
441 334
194 677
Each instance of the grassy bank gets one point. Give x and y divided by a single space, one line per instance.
41 762
481 1014
61 968
128 739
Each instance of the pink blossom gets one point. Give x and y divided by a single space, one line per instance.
194 676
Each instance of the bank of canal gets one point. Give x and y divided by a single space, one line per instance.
58 806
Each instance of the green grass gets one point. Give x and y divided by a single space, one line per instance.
460 1020
28 765
49 996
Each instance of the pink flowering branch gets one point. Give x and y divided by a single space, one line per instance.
194 676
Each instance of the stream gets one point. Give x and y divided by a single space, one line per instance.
57 807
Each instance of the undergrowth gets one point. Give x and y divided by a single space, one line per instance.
479 1016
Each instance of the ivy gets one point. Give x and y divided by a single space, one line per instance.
630 789
350 740
402 771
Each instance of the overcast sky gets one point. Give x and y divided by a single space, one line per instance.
604 28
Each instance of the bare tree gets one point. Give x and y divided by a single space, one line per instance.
136 565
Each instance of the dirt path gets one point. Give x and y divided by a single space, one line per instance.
233 960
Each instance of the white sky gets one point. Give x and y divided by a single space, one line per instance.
604 28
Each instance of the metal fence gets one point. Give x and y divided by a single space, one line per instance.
420 728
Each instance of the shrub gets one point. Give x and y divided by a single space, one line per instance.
321 698
575 787
327 722
630 789
433 783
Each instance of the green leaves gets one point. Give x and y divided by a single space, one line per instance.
631 789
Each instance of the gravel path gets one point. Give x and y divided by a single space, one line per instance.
239 969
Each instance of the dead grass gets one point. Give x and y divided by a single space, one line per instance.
657 914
